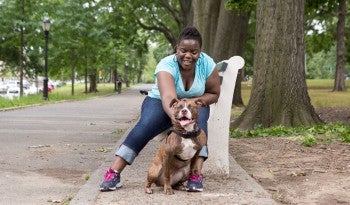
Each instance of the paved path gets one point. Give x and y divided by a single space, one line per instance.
48 150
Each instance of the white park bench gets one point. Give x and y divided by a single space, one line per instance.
219 119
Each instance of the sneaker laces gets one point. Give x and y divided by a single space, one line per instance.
110 174
195 178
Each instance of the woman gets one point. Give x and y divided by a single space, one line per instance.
189 73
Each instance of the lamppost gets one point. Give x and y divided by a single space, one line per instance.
46 27
115 69
133 70
126 73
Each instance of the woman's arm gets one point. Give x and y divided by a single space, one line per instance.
212 89
166 85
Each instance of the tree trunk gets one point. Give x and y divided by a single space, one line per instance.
224 34
205 18
21 51
339 81
86 71
93 82
279 94
186 13
73 63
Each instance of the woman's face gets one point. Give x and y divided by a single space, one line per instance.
188 51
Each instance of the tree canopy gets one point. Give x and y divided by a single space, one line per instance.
96 38
94 29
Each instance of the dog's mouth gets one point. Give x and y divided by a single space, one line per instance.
184 121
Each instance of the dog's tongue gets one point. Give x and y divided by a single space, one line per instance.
185 122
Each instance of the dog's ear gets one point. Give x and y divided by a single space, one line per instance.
173 102
200 103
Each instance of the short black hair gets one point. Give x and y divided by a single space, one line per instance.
190 33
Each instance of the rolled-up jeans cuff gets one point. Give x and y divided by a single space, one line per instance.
204 152
126 153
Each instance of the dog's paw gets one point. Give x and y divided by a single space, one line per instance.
148 190
180 187
169 191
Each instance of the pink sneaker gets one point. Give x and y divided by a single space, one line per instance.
111 181
195 183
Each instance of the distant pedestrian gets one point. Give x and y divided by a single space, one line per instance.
119 83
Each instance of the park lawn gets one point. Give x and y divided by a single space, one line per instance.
60 94
320 92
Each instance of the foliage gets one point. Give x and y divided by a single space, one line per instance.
162 50
158 17
321 25
86 177
339 130
309 140
322 64
17 16
92 30
241 5
320 31
345 136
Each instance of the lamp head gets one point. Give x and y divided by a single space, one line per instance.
46 24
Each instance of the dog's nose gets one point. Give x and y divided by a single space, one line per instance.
184 111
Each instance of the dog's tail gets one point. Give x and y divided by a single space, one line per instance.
144 92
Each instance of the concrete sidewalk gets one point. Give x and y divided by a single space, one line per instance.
238 188
48 150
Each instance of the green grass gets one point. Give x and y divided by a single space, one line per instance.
320 92
327 132
309 140
321 95
59 94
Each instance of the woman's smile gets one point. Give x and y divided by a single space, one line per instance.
188 52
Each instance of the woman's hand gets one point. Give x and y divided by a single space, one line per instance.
212 89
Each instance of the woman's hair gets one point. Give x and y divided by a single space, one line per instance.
190 33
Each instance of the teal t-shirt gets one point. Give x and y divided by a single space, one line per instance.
204 67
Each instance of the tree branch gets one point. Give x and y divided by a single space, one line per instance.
172 11
162 28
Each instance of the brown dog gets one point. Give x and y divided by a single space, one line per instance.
172 164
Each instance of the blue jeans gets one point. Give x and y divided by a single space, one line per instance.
152 122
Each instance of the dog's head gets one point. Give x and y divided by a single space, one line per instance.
186 112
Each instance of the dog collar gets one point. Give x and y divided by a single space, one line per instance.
185 134
180 159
